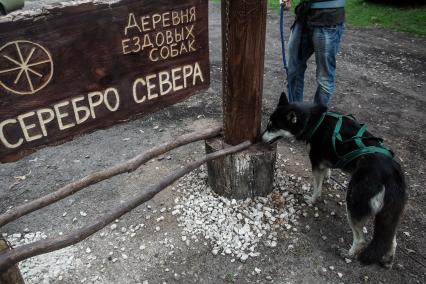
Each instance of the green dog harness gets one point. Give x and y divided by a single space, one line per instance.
362 148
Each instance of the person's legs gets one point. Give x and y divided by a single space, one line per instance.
300 48
326 41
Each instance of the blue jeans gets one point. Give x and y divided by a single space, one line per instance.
303 42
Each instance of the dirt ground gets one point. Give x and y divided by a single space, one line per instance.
380 79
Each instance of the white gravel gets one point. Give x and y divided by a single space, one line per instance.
46 268
237 227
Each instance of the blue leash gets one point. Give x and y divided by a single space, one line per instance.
283 47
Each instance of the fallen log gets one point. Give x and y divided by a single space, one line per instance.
123 167
18 254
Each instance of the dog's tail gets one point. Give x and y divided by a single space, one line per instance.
382 247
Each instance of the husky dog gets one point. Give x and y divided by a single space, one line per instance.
377 186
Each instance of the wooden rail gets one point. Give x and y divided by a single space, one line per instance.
11 257
123 167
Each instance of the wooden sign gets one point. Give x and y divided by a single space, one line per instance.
76 69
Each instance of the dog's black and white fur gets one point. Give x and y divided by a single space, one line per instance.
377 187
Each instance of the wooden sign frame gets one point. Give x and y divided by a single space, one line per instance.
76 69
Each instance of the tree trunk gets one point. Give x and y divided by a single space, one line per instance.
242 175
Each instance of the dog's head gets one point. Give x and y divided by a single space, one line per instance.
289 119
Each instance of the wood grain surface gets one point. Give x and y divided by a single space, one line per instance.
81 68
243 41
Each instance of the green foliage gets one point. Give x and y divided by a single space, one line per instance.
361 13
229 278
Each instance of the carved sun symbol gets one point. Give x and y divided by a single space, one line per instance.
25 67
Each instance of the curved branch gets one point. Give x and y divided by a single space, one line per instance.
123 167
18 254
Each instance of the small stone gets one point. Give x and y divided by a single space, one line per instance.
65 214
157 229
316 215
17 236
331 268
268 278
348 260
88 250
257 270
124 256
339 274
244 257
113 227
82 213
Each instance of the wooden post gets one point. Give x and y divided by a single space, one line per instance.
12 275
243 45
249 173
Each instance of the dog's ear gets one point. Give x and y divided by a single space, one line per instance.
283 99
292 117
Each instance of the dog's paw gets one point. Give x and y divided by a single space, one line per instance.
354 251
343 253
387 264
328 176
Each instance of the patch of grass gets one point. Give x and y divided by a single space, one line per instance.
229 278
361 13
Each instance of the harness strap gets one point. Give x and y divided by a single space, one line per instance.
312 132
358 136
349 157
336 133
362 148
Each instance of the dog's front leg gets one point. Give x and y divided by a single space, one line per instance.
319 175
